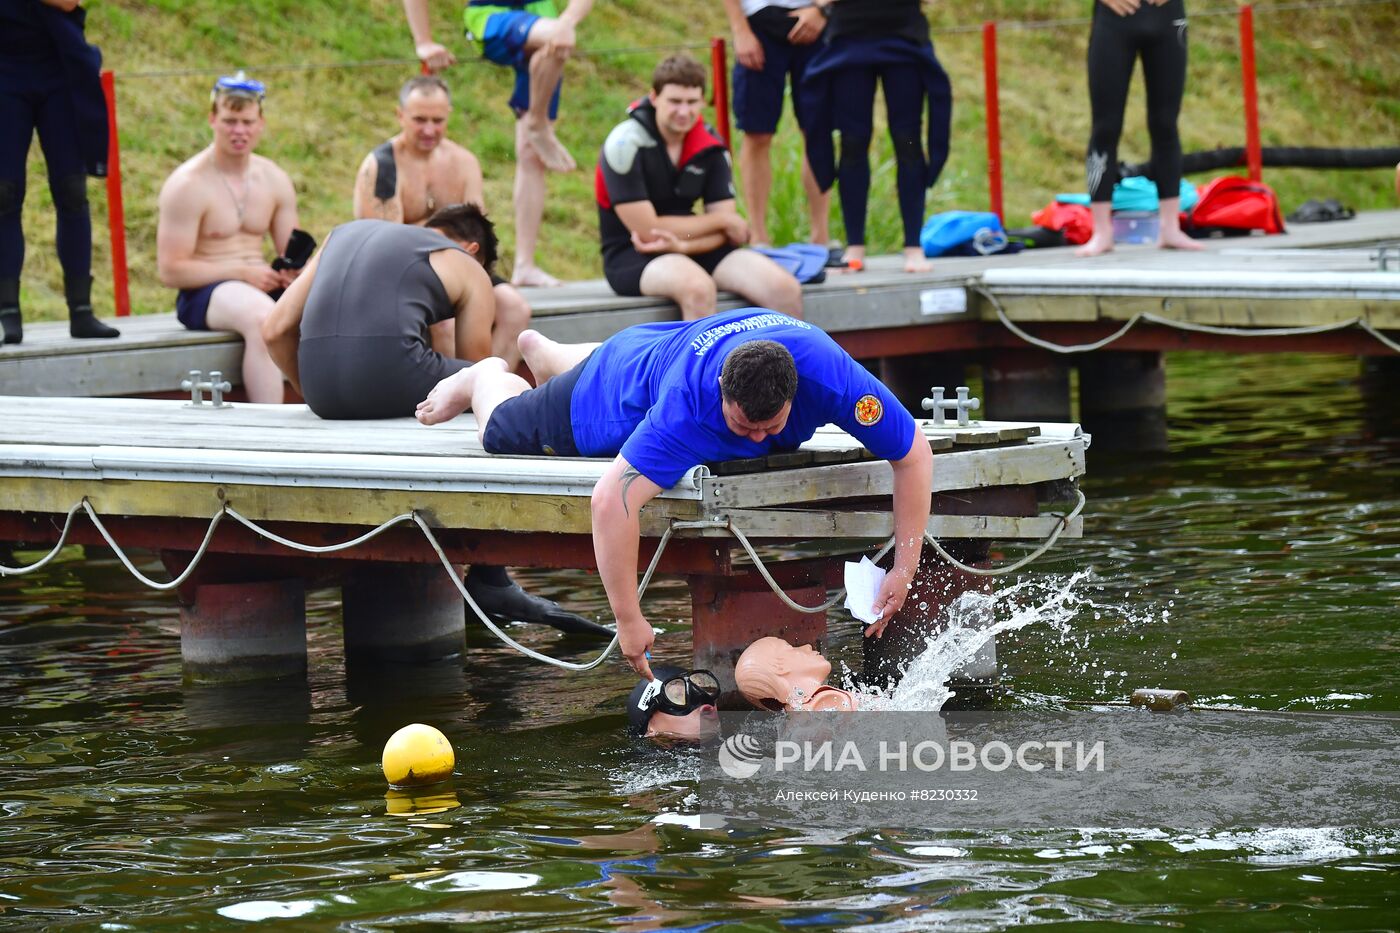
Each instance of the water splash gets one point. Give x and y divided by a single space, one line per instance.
974 619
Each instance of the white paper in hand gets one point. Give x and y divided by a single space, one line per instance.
862 586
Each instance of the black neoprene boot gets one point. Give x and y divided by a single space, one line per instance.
9 311
503 600
81 320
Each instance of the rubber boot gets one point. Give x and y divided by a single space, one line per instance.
81 320
9 311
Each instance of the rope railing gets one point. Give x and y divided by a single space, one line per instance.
721 524
1151 318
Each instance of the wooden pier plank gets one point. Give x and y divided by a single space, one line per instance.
154 351
958 469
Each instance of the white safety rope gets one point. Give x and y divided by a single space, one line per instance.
1179 325
719 524
1048 543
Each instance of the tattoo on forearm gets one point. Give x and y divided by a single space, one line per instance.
629 476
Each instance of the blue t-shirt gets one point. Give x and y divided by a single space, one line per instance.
651 393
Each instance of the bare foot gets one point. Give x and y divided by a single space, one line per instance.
453 395
1096 246
915 261
532 345
532 277
1178 240
547 146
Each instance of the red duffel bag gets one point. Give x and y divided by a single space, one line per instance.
1234 205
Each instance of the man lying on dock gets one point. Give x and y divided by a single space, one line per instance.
662 398
352 335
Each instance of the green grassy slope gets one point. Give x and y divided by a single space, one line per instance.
1327 77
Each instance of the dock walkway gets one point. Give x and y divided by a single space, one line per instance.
882 312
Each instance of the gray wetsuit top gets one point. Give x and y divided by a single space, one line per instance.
365 348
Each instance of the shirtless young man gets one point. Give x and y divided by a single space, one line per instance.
535 39
407 178
215 211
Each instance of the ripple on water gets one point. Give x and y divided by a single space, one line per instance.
1253 565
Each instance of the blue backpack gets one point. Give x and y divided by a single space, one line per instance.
965 233
805 261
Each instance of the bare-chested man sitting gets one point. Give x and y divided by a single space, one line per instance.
407 178
215 211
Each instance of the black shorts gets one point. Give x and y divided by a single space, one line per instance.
538 421
334 370
623 265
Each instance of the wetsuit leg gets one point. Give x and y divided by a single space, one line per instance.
1164 72
904 105
17 116
854 101
58 136
1112 53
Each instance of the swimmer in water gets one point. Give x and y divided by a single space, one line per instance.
681 705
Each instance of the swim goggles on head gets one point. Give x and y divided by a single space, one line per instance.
239 85
680 694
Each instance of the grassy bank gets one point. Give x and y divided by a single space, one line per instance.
1327 77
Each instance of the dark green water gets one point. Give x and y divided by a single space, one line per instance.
1255 564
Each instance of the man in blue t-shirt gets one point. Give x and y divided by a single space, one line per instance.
663 398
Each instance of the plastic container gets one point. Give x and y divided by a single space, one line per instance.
1135 226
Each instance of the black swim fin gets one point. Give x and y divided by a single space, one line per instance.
513 604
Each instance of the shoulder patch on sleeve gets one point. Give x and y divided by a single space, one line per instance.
869 410
623 143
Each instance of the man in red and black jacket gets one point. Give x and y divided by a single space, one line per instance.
653 168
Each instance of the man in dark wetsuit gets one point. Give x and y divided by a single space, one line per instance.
663 398
49 82
653 167
352 335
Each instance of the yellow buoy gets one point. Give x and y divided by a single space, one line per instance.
417 755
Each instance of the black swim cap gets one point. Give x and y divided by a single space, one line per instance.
637 719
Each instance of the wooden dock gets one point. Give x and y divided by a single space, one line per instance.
884 313
157 472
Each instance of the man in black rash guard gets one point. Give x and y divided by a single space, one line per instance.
653 167
868 41
1123 30
352 335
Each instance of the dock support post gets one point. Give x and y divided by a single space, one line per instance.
936 586
1025 385
909 378
1380 391
244 631
730 613
401 613
1123 400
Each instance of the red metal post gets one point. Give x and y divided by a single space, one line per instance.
1253 156
989 67
116 216
719 67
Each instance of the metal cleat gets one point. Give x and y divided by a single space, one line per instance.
1384 257
962 405
216 386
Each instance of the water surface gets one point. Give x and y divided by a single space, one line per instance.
1253 565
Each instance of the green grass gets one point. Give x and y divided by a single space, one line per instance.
1327 77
